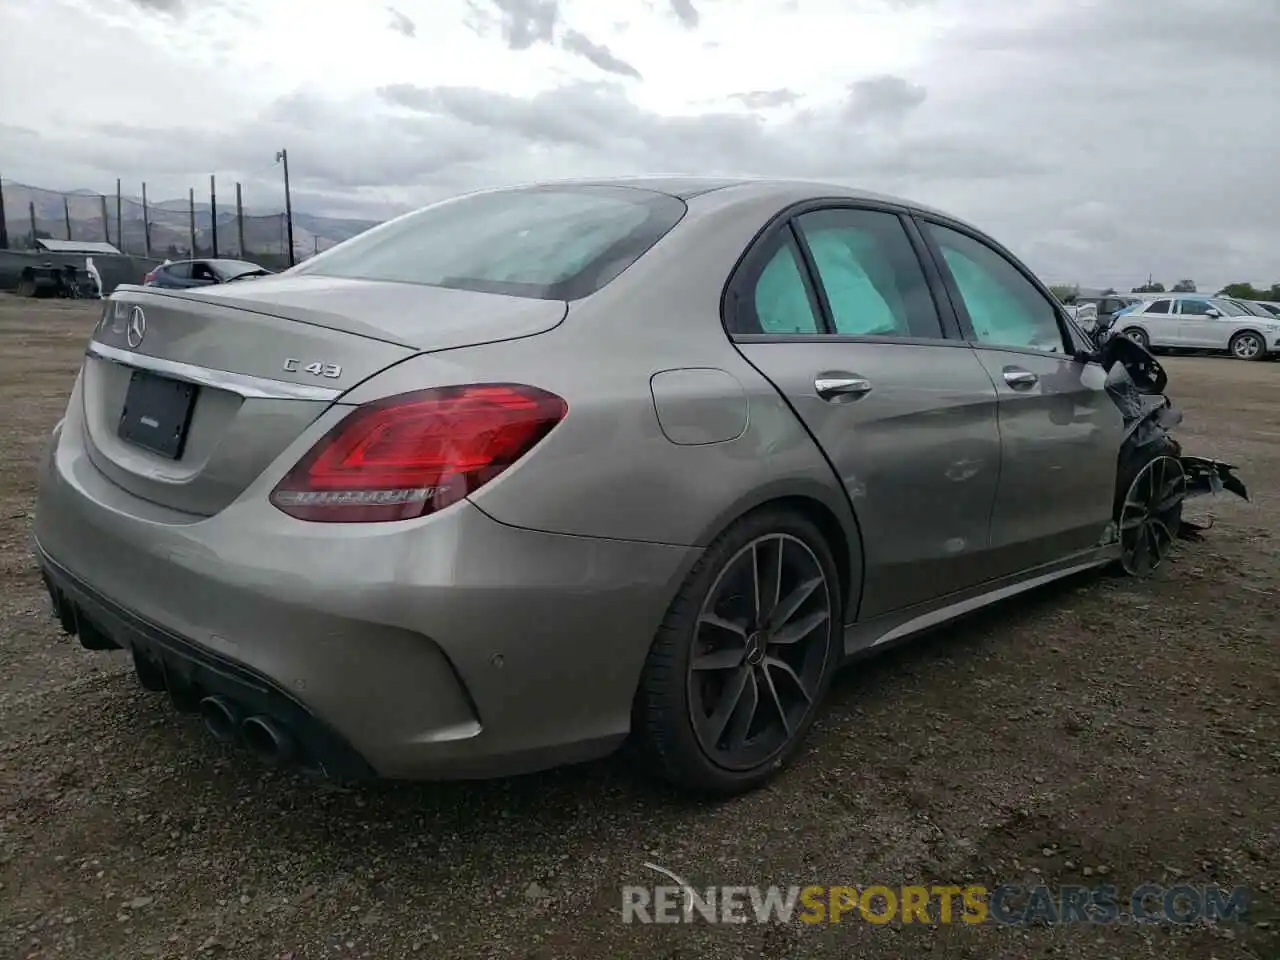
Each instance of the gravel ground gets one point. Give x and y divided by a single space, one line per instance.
1105 728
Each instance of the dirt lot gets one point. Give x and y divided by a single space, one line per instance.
1114 729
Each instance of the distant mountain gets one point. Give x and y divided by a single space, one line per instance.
170 222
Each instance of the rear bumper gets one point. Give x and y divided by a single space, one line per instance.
188 673
446 648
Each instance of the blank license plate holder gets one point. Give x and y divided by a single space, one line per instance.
157 413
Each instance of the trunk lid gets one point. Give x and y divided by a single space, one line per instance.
249 366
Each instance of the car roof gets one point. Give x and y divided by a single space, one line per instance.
688 187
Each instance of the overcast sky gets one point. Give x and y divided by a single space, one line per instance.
1101 139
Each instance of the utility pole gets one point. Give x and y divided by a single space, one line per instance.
213 213
106 223
4 225
146 223
283 157
191 204
240 222
31 212
66 214
119 219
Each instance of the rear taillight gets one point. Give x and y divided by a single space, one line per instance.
149 277
415 453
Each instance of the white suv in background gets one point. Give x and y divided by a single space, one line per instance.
1197 322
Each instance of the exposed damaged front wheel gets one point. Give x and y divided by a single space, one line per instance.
1149 516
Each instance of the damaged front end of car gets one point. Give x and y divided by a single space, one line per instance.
1155 478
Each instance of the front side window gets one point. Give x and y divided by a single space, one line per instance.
870 273
549 242
1004 307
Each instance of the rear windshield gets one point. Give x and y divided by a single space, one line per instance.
548 242
235 268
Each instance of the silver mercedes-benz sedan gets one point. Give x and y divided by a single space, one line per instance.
499 483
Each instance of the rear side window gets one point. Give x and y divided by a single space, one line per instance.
1160 306
550 243
781 298
179 271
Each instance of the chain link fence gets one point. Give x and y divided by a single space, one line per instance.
171 228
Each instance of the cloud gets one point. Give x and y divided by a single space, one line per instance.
160 6
526 22
601 56
598 122
764 99
1064 131
686 13
402 24
884 99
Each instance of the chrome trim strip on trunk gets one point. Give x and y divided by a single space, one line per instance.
260 388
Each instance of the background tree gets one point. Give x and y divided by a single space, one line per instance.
1156 287
1247 291
1184 286
1066 292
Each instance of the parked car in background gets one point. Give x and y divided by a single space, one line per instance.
1197 322
181 274
1108 305
367 517
1253 308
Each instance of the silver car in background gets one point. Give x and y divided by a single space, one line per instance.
502 482
1197 322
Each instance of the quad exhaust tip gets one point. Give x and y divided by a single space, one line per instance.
267 741
219 718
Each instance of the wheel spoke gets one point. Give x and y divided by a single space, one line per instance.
799 629
744 714
1141 551
1136 520
730 697
731 626
773 663
789 605
724 658
767 567
777 701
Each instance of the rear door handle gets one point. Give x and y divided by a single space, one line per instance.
1020 379
841 388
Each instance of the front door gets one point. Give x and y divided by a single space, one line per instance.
1197 329
1060 432
835 310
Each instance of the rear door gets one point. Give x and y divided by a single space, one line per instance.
835 308
176 275
1160 323
1059 430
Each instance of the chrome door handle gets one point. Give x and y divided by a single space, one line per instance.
1020 378
834 388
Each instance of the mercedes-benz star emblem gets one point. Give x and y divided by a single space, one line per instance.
137 327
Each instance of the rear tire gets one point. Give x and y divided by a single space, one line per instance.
1247 345
732 684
